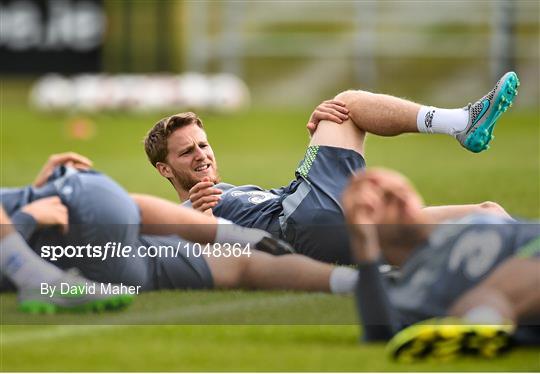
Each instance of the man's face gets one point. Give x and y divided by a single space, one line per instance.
190 157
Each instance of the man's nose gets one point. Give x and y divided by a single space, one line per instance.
199 154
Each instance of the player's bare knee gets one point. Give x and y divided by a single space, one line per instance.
493 208
348 96
490 205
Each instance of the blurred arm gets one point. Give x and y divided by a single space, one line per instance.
25 224
5 224
379 318
446 212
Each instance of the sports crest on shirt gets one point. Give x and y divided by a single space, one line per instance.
255 197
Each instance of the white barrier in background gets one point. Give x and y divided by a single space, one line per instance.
92 93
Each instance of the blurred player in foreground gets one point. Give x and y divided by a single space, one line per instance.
481 269
27 271
92 209
307 213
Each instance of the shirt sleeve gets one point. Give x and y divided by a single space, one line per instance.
13 199
379 318
24 223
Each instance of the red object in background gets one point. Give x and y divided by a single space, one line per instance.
81 129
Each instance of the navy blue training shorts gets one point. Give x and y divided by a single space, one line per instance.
312 219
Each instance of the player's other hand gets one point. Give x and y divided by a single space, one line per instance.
204 197
383 197
68 159
363 206
329 110
48 211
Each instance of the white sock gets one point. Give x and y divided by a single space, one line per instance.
22 266
484 315
441 121
343 280
228 232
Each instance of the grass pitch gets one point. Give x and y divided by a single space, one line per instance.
170 332
243 331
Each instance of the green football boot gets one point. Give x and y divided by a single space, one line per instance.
483 114
80 295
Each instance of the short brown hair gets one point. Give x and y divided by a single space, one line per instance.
155 142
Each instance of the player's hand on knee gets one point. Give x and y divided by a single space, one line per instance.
71 159
204 197
329 110
48 211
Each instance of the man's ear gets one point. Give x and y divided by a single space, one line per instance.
164 169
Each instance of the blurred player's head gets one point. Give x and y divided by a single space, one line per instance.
387 200
178 147
385 197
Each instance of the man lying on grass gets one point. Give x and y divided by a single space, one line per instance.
483 270
103 230
307 212
28 272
